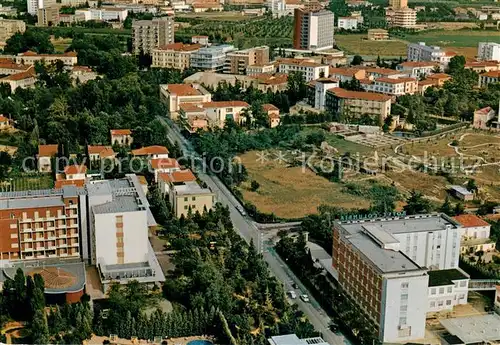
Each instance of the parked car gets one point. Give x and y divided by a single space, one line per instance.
295 286
334 327
305 298
241 210
292 294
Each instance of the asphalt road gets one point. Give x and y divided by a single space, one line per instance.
247 229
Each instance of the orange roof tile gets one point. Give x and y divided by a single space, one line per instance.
491 74
269 107
386 71
164 163
3 119
182 90
30 73
224 104
482 64
369 96
121 132
395 80
439 76
12 65
427 82
470 221
345 71
267 79
75 169
413 64
60 183
31 53
191 107
101 150
178 176
47 150
299 62
150 150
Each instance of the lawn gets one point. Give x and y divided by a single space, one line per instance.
449 38
434 187
61 44
292 192
357 44
28 182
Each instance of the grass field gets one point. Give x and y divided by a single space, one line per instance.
293 192
61 44
462 38
28 182
357 44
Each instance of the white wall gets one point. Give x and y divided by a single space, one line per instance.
476 232
447 296
135 237
395 307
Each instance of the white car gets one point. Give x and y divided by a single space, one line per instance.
292 294
305 298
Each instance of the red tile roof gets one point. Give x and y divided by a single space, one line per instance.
31 53
3 119
225 104
47 150
164 163
150 150
191 107
470 221
101 150
182 90
439 76
30 73
299 62
395 80
345 71
482 64
384 71
178 176
12 65
121 132
75 169
413 64
61 183
368 96
267 79
491 74
269 107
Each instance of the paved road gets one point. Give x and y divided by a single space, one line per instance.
247 229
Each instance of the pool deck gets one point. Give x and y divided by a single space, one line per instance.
96 340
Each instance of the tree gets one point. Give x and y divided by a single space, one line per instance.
254 185
357 60
456 64
296 88
471 185
417 204
39 328
446 207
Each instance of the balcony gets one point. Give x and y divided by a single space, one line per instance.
26 220
76 244
74 206
27 239
28 230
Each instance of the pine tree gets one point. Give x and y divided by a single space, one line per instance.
39 328
127 325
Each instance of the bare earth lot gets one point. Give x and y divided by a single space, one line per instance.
292 192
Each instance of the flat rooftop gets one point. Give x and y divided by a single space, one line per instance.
401 225
446 277
292 339
190 187
474 329
11 204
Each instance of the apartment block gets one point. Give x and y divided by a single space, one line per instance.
404 18
211 58
216 113
150 34
417 69
40 224
309 69
177 94
317 91
48 16
447 288
420 52
397 4
488 78
35 5
261 69
347 104
488 51
175 55
483 66
313 30
476 232
185 194
104 14
29 58
394 86
377 35
9 27
238 61
20 80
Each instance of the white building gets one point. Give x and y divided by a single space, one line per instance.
473 227
119 219
393 86
318 88
104 14
347 23
421 52
292 339
211 58
35 5
417 69
447 288
309 69
488 51
313 30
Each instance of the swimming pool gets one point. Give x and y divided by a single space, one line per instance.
200 342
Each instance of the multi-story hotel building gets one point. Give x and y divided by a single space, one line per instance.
150 34
175 55
41 224
211 58
404 18
382 264
417 69
9 27
30 58
393 86
355 103
421 52
238 61
313 30
488 51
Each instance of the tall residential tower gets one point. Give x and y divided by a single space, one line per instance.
150 34
313 30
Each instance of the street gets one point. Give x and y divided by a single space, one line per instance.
247 229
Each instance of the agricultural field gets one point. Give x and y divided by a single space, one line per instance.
243 33
357 44
454 39
292 192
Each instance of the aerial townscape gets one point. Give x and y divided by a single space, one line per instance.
250 172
